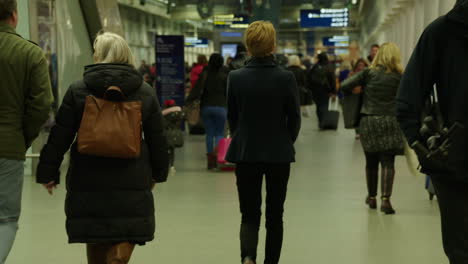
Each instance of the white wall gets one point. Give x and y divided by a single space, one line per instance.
401 22
140 27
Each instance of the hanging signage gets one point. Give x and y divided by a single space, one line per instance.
336 41
231 21
325 18
196 42
170 68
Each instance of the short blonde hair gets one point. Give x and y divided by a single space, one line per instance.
388 56
260 38
294 60
112 48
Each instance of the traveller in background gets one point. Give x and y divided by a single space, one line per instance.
282 61
197 69
147 78
305 94
211 90
321 81
116 192
360 66
265 118
25 102
239 59
440 59
307 63
381 136
144 68
344 71
373 52
229 61
153 72
173 120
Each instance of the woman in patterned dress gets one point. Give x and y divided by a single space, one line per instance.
381 136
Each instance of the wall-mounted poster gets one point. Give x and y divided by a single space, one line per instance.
170 68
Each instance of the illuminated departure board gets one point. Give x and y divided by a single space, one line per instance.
325 18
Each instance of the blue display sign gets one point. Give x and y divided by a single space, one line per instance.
196 42
325 18
231 34
336 41
170 69
231 21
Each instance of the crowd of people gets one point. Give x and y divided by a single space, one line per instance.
109 203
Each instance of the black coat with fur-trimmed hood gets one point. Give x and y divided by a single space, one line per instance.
108 199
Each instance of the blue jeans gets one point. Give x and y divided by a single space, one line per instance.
11 186
214 119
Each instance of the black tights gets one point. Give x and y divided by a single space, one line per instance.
387 163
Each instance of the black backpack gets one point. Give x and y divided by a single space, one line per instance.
317 78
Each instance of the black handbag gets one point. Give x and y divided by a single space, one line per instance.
175 138
352 105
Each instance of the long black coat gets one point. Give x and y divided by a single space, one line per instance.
108 199
440 58
263 113
305 94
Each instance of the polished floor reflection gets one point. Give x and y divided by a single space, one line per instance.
198 218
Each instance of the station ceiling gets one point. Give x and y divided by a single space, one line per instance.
318 3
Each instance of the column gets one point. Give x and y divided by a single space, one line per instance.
23 13
431 11
445 6
419 18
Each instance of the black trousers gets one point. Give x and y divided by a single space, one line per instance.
249 185
453 203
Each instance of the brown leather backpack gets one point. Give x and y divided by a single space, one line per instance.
110 128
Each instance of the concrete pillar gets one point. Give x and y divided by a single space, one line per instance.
431 11
445 6
419 18
23 14
410 34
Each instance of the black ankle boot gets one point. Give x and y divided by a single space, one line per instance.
248 260
386 206
371 202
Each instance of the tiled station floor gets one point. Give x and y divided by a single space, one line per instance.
326 221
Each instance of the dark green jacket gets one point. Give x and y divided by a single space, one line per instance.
25 93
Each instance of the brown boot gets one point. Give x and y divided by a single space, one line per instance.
97 253
386 206
211 161
388 177
120 253
371 202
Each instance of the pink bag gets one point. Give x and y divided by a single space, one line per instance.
223 148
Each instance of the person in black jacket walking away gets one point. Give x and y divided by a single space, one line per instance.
109 204
321 81
299 72
440 59
211 89
264 117
381 136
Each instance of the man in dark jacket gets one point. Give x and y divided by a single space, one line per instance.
25 103
239 59
440 59
321 80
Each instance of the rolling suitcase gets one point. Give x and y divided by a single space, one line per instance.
332 116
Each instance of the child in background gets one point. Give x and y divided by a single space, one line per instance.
173 119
